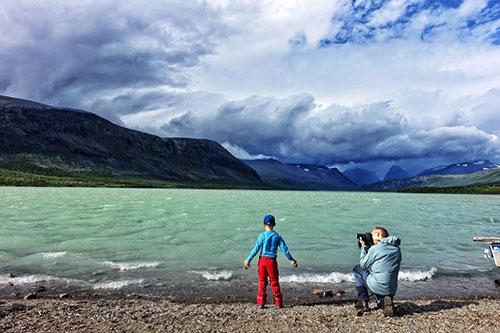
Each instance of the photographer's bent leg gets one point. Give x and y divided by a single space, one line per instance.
360 275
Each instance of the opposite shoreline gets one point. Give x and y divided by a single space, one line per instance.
86 179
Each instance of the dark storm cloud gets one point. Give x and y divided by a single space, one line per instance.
295 129
80 54
132 62
134 102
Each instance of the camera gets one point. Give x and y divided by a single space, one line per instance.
366 237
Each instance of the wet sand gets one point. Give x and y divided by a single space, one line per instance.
134 313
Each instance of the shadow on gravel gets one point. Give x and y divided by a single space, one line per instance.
325 302
408 308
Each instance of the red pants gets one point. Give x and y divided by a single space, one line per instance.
268 267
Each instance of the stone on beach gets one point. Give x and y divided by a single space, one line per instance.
14 307
339 293
323 293
30 296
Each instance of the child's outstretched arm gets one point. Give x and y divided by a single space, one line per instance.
287 253
255 250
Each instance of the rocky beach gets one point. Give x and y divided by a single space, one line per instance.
133 313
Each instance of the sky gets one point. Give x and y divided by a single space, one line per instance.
367 83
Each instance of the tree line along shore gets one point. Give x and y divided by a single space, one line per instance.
61 178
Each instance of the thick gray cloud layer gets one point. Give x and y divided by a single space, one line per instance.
76 54
186 68
295 129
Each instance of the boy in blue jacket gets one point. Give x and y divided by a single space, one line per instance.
267 244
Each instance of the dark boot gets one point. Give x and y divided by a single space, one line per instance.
388 306
362 305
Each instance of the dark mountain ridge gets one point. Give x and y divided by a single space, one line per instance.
38 135
396 172
461 168
300 176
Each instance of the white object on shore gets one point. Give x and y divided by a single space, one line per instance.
493 251
487 239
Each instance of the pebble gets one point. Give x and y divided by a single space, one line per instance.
339 293
30 296
323 293
14 307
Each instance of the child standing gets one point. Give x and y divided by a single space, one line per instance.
268 243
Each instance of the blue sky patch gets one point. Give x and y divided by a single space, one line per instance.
356 24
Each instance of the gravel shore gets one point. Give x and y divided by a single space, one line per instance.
163 315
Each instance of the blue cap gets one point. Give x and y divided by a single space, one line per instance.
269 220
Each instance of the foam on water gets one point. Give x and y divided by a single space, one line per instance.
214 276
36 278
128 266
117 284
334 277
50 255
27 279
414 276
337 277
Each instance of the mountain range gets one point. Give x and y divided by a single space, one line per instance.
301 176
38 136
38 139
461 168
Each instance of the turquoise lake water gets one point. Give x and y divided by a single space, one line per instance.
109 239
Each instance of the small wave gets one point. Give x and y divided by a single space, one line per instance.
50 255
334 277
414 276
215 276
107 206
117 284
128 266
36 278
337 277
27 279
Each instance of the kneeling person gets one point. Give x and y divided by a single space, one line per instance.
378 269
